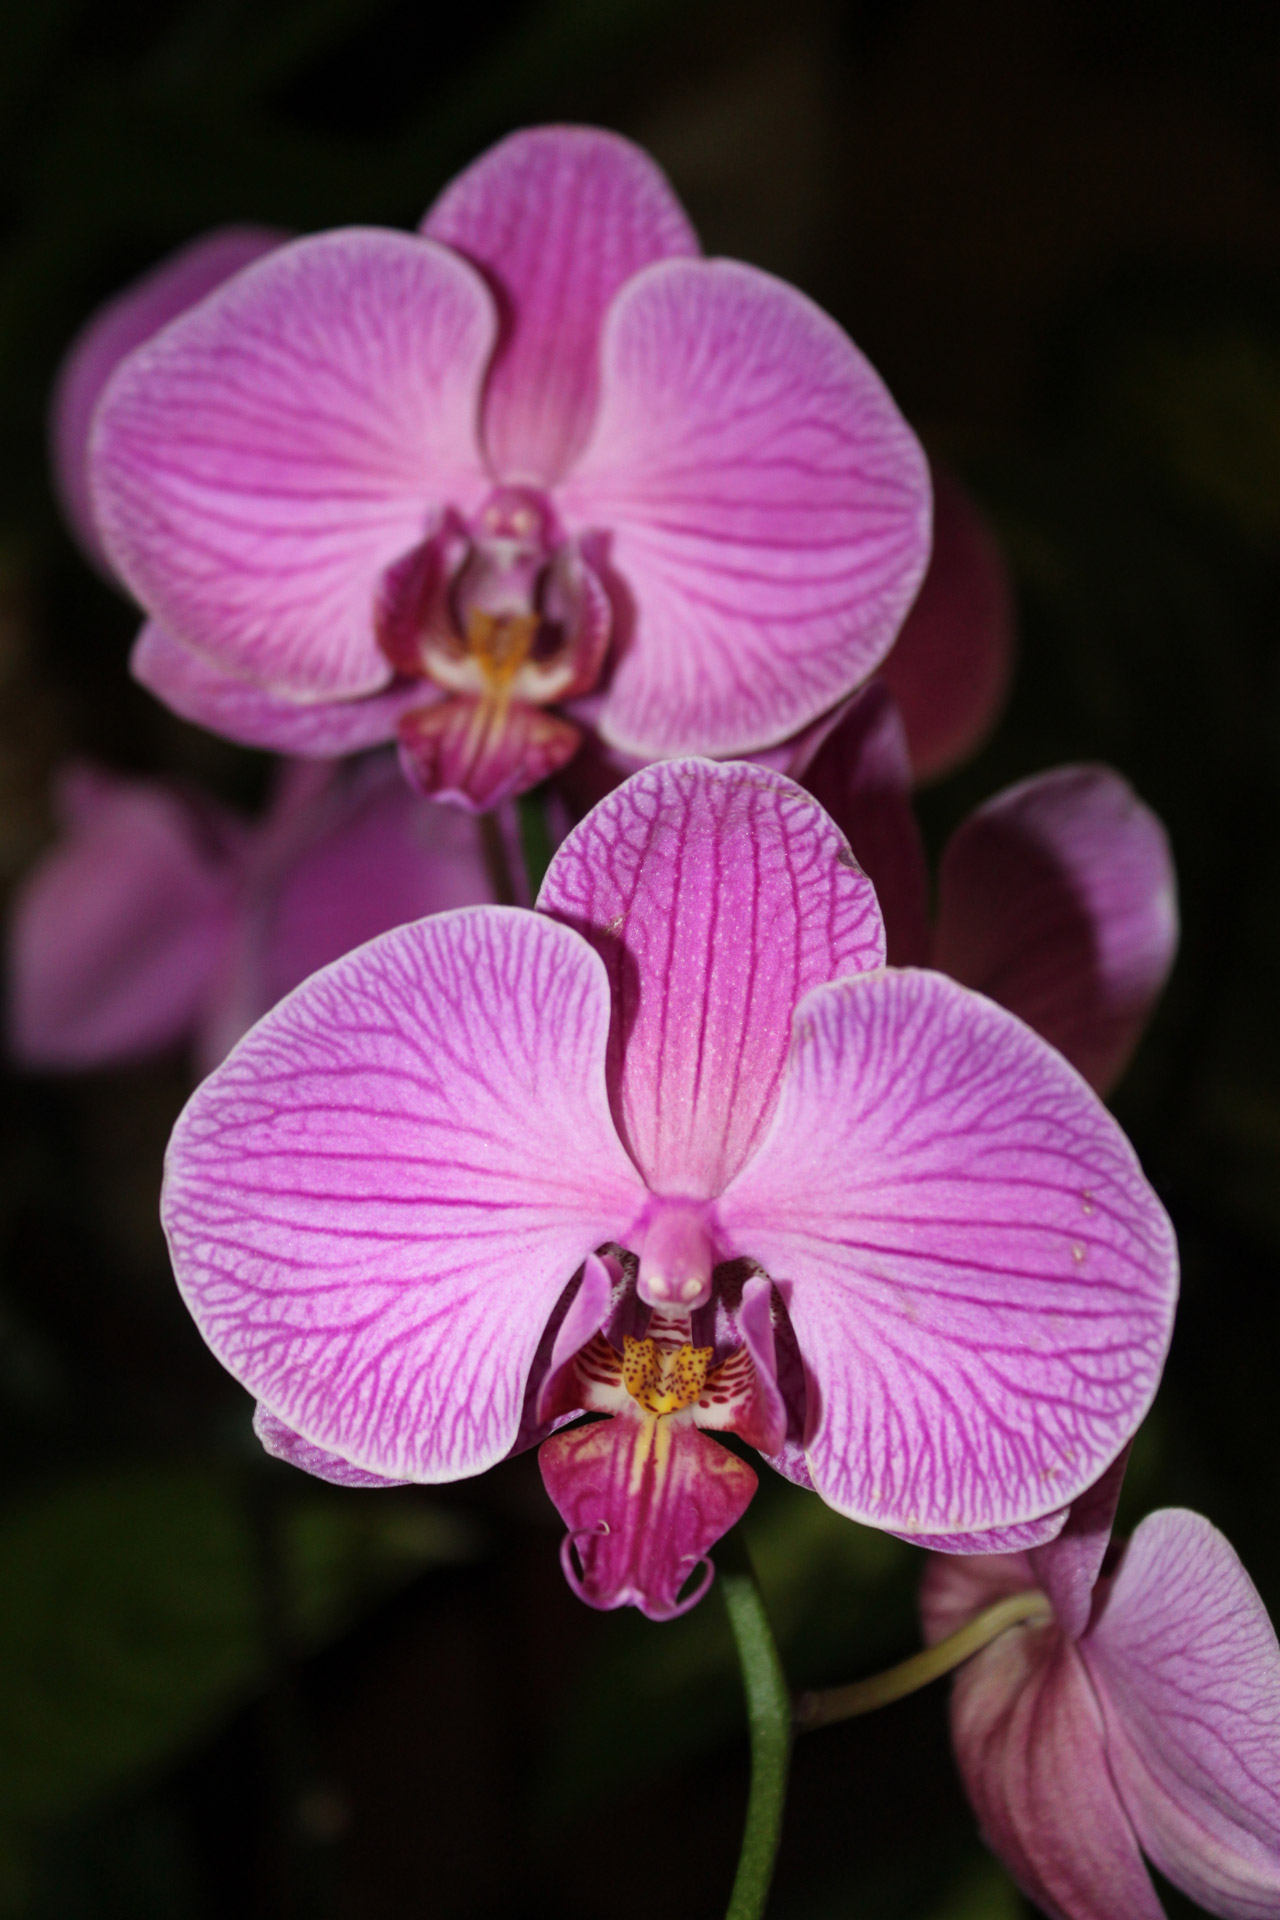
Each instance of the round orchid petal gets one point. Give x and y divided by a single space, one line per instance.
282 1443
115 330
767 506
1029 1744
1058 899
861 774
717 896
558 219
261 462
1067 1569
374 1205
1187 1668
116 936
192 687
980 1280
950 667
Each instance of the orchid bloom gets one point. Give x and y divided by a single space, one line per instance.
950 667
435 486
676 1149
1057 897
1138 1713
161 918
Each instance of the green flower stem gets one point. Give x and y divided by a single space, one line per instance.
497 864
828 1704
535 837
769 1719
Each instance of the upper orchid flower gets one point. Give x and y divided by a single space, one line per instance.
679 1149
1057 897
1141 1710
434 485
161 918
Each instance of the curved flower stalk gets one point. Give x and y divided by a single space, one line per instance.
1057 897
160 918
1139 1714
440 487
675 1149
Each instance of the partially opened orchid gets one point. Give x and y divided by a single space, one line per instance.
160 917
1056 897
436 486
1137 1712
677 1149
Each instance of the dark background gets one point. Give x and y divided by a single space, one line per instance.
226 1691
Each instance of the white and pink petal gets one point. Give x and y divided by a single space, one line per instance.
717 896
259 464
766 505
1187 1668
980 1280
558 219
375 1204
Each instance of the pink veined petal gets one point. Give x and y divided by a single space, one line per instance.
716 896
282 1443
862 776
1029 1744
587 1313
1068 1568
767 506
374 1205
117 934
644 1499
1058 899
950 667
980 1280
1187 1668
259 464
192 687
558 219
133 316
1032 1533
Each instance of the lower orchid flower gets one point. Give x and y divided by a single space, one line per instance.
161 918
678 1150
1138 1711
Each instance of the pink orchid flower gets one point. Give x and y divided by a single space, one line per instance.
1057 897
160 918
436 486
676 1149
951 665
1141 1714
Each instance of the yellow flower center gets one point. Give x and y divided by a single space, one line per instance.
664 1382
500 643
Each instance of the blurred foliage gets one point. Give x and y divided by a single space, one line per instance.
139 1607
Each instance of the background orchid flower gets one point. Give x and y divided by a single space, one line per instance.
679 1149
436 485
160 917
1140 1714
950 667
1057 897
